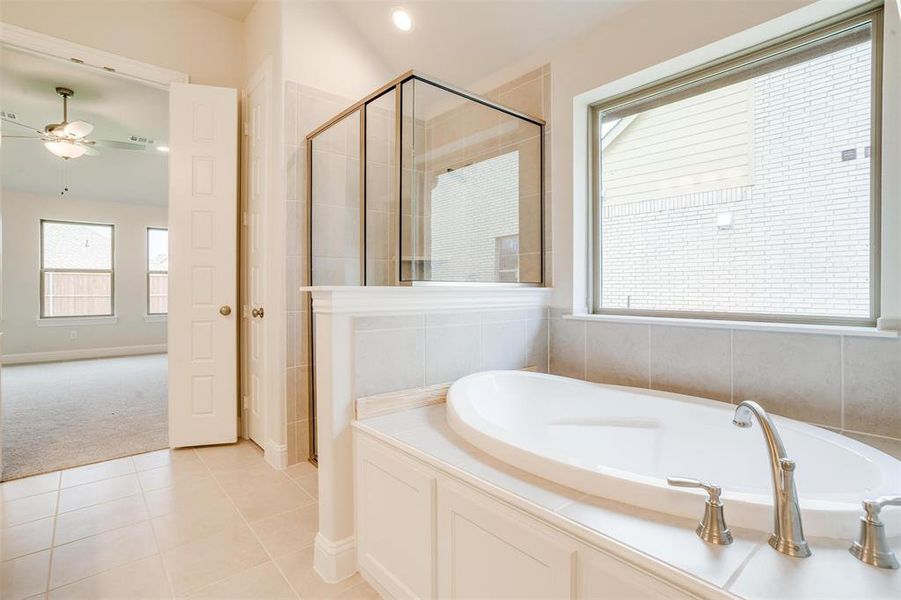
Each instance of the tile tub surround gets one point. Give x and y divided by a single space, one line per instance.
372 340
748 568
400 352
210 522
846 383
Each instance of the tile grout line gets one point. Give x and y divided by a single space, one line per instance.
101 572
53 536
842 380
255 535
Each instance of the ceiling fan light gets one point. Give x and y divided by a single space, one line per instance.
78 129
65 150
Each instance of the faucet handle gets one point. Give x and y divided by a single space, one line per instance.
871 547
712 528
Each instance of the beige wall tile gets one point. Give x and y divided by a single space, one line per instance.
389 360
618 354
451 352
503 345
693 361
567 348
873 385
791 374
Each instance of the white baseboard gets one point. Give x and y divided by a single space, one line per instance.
335 561
276 455
61 355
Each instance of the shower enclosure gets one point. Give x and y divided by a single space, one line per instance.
422 183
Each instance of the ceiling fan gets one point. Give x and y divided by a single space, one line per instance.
69 140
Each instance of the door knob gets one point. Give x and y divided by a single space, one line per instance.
257 312
225 310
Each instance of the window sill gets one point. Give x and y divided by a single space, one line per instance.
846 330
156 318
71 321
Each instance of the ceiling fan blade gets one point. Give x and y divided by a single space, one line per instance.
116 145
21 137
78 129
89 150
35 129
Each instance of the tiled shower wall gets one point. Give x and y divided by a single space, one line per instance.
847 383
305 109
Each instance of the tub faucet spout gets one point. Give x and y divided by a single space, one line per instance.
788 533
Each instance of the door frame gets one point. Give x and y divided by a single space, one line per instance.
262 76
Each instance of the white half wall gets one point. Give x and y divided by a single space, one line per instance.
25 338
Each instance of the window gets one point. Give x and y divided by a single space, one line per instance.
76 269
157 271
745 190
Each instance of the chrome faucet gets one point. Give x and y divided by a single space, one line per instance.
788 533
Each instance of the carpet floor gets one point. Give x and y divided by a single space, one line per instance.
65 414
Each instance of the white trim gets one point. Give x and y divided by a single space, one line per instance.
61 355
276 455
335 561
45 45
369 300
890 284
747 325
156 318
76 321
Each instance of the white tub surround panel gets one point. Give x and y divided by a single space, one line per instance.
438 517
338 377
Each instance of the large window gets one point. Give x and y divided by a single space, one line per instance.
76 269
745 190
157 271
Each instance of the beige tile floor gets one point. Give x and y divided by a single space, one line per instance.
215 522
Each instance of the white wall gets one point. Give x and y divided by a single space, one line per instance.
175 35
21 215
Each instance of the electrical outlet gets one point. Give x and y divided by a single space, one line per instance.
73 335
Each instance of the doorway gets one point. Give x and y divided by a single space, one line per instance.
85 275
193 393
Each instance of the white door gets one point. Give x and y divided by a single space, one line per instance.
253 310
203 180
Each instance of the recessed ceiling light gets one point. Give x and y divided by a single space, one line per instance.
163 148
402 19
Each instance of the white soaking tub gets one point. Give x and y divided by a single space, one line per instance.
621 443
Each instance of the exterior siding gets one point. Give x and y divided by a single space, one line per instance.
798 238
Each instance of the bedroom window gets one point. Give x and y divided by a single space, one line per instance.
157 271
745 189
76 269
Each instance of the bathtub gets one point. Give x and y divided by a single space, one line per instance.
621 443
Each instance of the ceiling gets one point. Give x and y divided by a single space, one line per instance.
464 42
233 9
117 107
